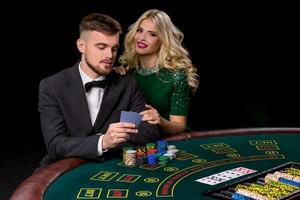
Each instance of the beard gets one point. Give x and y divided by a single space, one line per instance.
98 70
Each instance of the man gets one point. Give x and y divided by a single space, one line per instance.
78 117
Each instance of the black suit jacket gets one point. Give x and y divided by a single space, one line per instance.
65 119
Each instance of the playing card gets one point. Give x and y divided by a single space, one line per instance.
225 175
243 170
131 117
211 180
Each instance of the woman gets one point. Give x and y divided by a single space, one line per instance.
154 52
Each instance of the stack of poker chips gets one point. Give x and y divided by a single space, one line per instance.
263 192
285 178
159 153
162 154
273 186
293 171
124 149
151 153
162 146
141 155
129 156
171 152
163 160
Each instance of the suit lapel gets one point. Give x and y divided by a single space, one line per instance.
78 100
109 99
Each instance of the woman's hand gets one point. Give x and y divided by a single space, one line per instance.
176 123
121 70
151 115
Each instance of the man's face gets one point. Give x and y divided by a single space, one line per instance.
99 52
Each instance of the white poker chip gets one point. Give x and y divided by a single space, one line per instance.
171 147
172 151
131 151
171 156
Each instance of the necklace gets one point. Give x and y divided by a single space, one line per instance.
147 71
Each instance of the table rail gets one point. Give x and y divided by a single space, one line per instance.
232 132
33 187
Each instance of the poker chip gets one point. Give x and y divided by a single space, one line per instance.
278 184
293 171
288 176
151 151
163 159
284 178
239 196
150 154
129 158
152 159
171 147
172 151
289 182
162 146
275 186
141 160
170 155
150 146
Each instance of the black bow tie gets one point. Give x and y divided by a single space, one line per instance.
91 84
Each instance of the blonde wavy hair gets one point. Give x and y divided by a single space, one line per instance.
172 55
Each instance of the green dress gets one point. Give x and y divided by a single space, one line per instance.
165 90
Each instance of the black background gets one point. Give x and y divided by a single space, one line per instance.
246 55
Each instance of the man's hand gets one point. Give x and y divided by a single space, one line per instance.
117 133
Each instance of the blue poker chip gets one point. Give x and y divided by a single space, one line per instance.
238 196
152 159
289 182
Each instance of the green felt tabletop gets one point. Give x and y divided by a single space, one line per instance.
196 159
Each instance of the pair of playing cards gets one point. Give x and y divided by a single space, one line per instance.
225 176
131 117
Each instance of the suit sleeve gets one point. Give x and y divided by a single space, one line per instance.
146 132
59 142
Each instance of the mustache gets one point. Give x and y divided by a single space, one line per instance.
107 61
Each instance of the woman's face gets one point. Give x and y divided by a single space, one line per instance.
146 41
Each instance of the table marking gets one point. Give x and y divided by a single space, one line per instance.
104 176
89 193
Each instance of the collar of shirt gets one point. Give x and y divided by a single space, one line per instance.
85 78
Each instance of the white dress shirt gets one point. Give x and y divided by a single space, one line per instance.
94 99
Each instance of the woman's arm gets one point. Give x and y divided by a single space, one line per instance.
176 124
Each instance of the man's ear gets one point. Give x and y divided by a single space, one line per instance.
80 45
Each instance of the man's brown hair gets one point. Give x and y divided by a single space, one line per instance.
101 23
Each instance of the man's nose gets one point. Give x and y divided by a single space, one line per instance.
109 53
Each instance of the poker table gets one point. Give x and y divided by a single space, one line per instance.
201 154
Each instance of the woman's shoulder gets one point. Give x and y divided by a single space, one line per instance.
173 72
176 75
